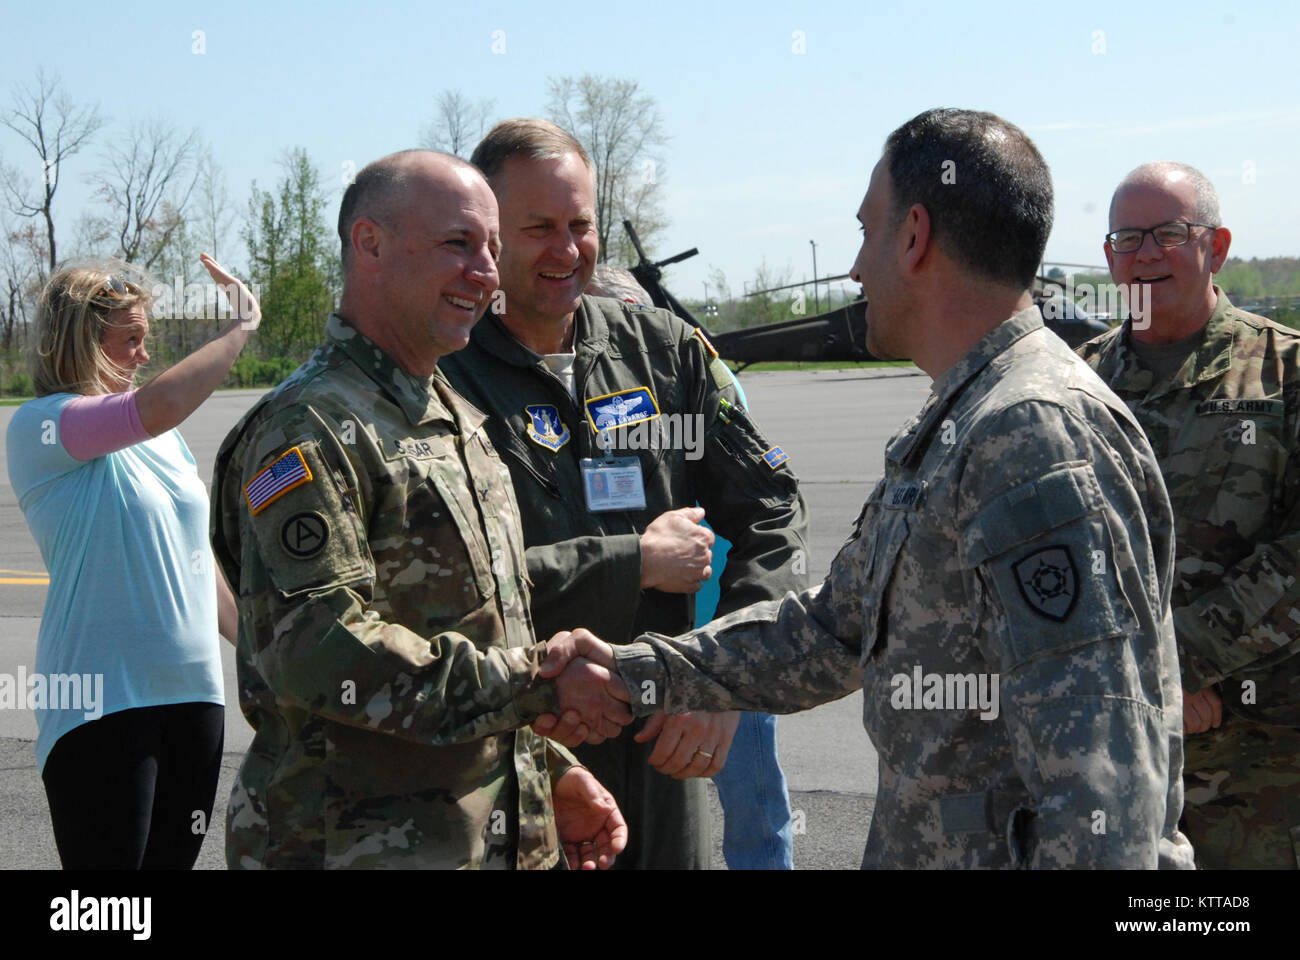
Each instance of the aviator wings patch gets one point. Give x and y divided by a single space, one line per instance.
622 408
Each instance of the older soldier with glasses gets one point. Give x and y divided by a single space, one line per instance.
1217 391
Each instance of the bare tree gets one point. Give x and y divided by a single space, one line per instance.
19 261
621 130
458 124
147 182
216 216
48 121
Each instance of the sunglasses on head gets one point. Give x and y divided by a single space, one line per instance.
115 285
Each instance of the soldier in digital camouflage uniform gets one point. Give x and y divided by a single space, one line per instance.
1020 543
386 654
1217 391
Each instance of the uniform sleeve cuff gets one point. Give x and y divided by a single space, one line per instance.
645 677
537 695
559 761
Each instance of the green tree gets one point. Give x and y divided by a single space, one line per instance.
292 260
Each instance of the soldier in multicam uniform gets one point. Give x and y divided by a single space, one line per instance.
1019 544
386 654
1217 391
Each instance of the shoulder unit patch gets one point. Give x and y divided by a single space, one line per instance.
1048 581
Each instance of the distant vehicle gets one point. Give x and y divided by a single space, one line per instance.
839 334
1068 320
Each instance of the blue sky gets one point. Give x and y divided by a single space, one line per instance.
769 147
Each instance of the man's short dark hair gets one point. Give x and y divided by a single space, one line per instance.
985 186
378 192
528 137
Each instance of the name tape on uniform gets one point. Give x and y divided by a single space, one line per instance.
288 471
1242 405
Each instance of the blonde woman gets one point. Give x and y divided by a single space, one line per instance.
113 498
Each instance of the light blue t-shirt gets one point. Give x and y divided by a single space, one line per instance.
132 595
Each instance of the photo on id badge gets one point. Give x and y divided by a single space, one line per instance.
613 483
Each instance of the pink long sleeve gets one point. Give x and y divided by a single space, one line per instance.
98 425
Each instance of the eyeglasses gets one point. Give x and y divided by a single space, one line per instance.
1175 233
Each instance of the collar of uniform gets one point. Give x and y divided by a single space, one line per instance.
1125 374
416 396
945 390
590 335
591 331
491 335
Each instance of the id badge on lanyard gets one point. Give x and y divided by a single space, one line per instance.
612 483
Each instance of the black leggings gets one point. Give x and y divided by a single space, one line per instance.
125 790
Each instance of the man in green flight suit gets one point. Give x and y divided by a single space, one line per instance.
386 654
559 372
1217 391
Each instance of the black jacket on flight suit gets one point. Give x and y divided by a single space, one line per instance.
667 400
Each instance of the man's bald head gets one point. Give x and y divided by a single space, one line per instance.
1163 173
382 188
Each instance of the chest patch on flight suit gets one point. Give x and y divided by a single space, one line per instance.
545 428
622 408
288 471
1273 408
1048 581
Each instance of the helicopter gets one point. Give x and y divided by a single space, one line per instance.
839 334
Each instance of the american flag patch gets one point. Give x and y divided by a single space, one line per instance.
276 480
775 457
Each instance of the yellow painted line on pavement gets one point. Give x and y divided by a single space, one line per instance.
31 577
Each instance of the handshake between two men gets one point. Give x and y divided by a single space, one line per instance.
595 707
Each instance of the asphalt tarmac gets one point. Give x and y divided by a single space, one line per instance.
833 425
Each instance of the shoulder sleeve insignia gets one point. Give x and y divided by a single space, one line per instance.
710 348
775 457
287 472
1048 581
